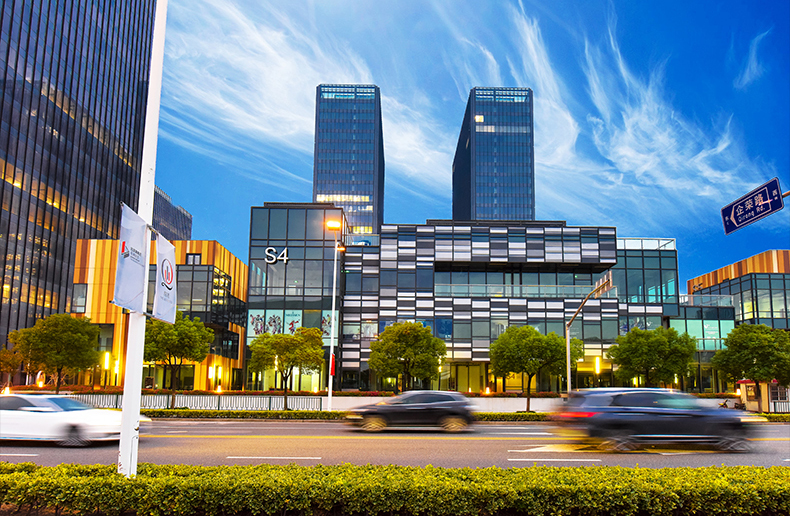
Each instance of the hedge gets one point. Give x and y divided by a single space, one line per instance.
394 490
312 414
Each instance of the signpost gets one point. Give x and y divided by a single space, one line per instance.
755 205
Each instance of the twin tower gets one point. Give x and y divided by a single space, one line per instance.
493 168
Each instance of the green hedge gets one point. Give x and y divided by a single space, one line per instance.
776 418
394 490
312 414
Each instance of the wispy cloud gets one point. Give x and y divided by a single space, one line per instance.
752 69
660 160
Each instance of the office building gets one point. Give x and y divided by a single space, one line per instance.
72 113
759 286
211 284
172 221
468 281
494 167
348 168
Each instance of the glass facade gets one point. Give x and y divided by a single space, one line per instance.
759 298
493 169
349 154
72 109
291 273
173 222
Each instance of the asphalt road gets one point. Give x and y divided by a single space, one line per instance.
503 445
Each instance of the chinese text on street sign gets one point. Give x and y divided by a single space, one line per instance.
755 205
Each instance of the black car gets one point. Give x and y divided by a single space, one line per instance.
450 410
623 419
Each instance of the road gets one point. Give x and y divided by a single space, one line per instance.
503 445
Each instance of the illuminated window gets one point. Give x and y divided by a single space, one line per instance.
479 119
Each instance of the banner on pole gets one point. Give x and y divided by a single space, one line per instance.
131 273
165 288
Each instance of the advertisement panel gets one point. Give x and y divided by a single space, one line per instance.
165 286
131 274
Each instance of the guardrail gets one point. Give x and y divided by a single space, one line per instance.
205 402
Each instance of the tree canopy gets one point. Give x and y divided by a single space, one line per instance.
408 349
58 343
172 344
10 361
523 349
757 353
657 354
303 351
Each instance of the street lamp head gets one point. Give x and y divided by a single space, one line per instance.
340 248
334 225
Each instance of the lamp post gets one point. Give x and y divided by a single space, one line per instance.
335 226
597 289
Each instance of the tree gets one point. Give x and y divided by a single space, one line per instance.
757 353
303 350
172 344
10 361
59 342
658 354
408 349
522 349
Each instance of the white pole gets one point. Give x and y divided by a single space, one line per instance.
135 340
568 354
332 329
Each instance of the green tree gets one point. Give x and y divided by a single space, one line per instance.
408 349
59 343
172 344
523 349
303 351
757 353
657 354
10 361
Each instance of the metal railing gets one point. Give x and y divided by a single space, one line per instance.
206 402
518 291
780 406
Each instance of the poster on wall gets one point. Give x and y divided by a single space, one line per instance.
293 320
326 323
256 323
274 321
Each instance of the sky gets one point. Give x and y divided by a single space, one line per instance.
649 116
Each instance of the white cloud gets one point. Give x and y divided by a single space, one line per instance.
752 69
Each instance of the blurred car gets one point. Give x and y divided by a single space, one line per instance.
56 418
451 411
624 419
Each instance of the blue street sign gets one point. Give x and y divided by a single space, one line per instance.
755 205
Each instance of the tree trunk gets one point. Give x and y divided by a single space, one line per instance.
529 387
173 374
59 379
758 395
285 379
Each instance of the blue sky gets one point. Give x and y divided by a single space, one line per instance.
649 116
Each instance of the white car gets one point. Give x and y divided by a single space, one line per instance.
56 418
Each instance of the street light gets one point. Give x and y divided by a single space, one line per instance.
605 284
333 225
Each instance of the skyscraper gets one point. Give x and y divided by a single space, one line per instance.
172 221
493 169
72 107
348 168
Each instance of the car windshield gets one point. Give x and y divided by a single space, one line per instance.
68 404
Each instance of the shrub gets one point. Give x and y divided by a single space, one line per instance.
374 490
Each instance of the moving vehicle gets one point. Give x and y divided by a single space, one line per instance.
624 419
450 410
47 417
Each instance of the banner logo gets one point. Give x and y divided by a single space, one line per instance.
167 274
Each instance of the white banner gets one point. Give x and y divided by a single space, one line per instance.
131 273
165 289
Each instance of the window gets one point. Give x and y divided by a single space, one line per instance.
193 259
80 299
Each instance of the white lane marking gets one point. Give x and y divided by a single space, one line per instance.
275 458
786 460
521 433
554 460
554 448
18 454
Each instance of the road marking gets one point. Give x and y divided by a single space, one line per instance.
178 432
564 448
18 454
362 436
521 433
276 458
554 460
786 460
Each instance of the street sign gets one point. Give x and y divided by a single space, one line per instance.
755 205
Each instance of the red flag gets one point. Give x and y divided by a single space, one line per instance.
332 366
